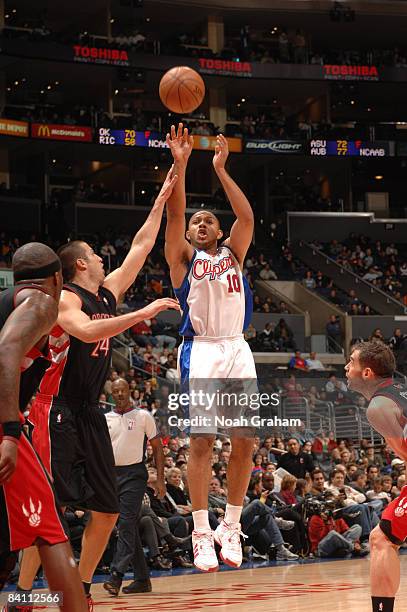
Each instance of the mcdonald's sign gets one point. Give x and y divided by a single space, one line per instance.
61 132
9 127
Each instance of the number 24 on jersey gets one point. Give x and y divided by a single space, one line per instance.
102 346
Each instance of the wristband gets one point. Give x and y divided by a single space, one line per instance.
12 429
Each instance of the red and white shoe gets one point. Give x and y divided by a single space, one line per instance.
203 545
228 538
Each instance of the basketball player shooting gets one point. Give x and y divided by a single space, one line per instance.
370 372
70 432
215 313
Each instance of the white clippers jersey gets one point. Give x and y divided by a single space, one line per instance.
215 297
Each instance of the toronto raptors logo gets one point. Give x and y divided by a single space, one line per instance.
34 516
204 267
401 508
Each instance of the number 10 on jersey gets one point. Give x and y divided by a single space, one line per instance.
233 283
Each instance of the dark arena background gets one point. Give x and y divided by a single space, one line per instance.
312 97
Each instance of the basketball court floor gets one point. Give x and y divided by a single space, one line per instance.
341 585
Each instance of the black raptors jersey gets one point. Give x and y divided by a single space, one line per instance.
35 361
395 391
79 370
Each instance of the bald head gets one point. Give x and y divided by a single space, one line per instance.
35 260
121 395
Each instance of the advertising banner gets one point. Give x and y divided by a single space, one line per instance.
350 73
208 143
9 127
224 67
61 132
100 55
281 147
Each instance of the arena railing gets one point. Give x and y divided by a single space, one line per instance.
350 421
315 419
358 279
153 374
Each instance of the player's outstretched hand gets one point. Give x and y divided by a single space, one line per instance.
168 185
221 152
8 460
180 143
158 306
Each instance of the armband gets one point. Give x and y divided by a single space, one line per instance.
12 429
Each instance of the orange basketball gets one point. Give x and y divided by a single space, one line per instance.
182 89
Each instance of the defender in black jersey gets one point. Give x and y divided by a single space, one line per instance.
28 513
370 372
70 432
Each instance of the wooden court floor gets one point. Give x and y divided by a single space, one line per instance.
319 587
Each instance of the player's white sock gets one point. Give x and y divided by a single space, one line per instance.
232 514
201 520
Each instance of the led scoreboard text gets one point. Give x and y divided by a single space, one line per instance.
131 138
348 148
117 137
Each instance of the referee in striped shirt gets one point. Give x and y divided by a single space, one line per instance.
130 429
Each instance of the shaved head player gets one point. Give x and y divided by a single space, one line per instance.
70 432
370 372
216 308
28 513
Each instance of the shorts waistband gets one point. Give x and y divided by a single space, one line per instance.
44 397
214 339
66 401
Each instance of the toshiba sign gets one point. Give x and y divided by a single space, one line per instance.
350 73
100 55
224 67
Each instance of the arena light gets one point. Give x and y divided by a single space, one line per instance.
379 177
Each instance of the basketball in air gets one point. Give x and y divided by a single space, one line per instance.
182 90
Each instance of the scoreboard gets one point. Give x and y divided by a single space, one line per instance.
131 138
349 148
